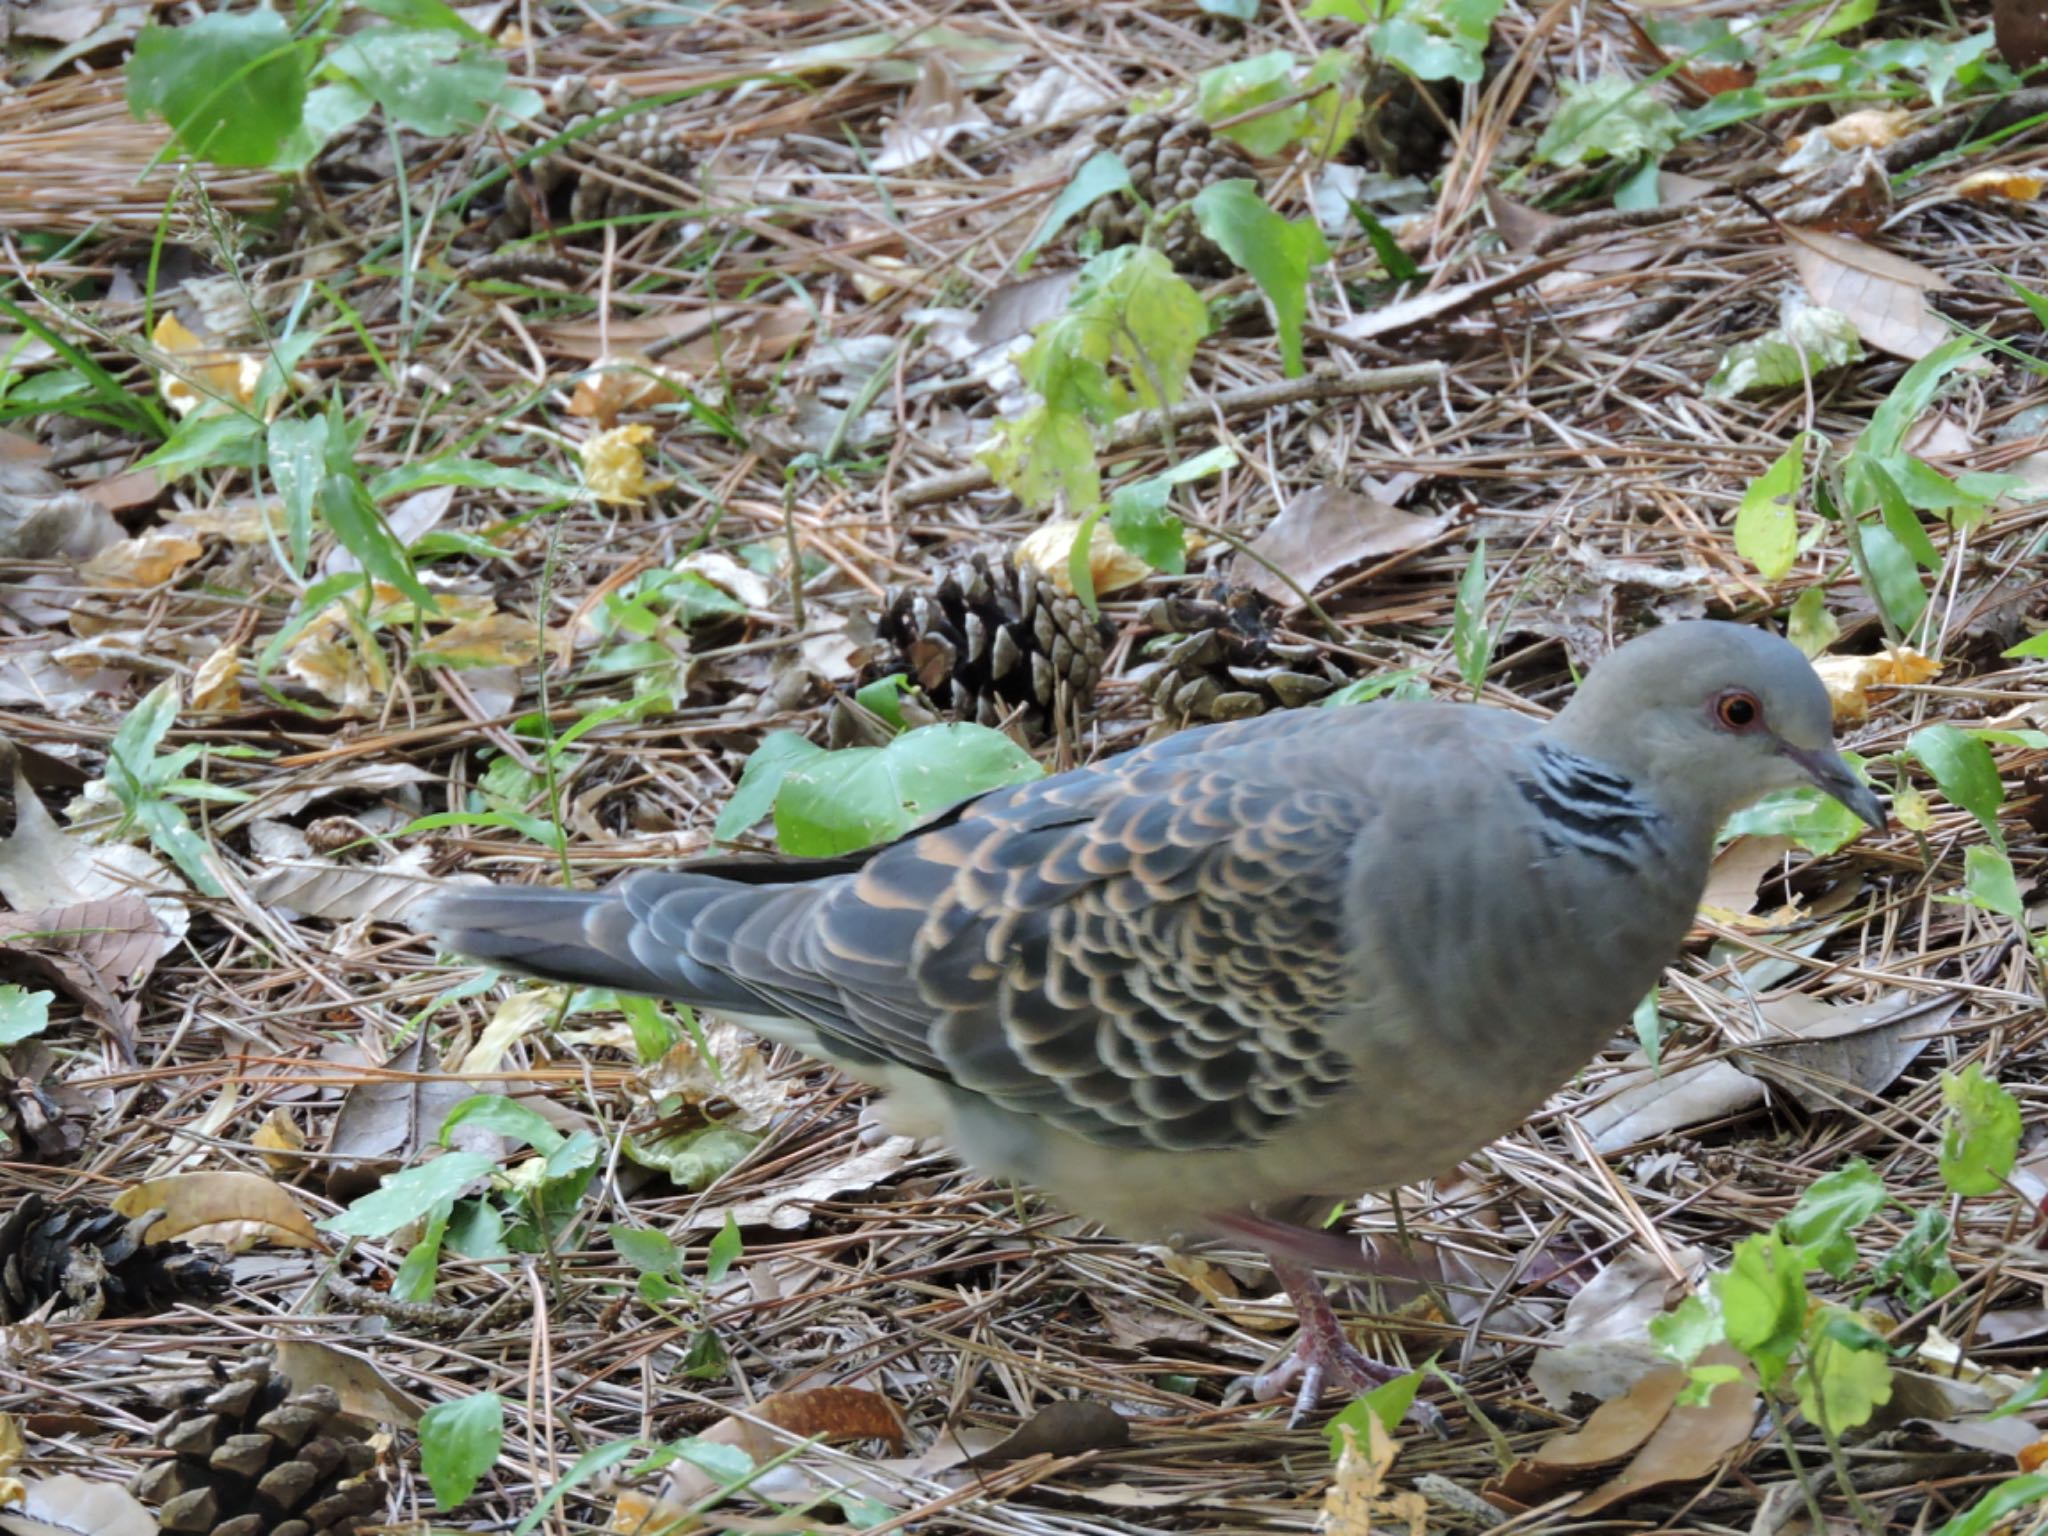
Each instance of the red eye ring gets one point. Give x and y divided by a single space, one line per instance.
1738 710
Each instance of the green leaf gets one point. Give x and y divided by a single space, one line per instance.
1471 640
725 1251
1403 683
131 755
1236 10
409 1195
2033 1392
1099 175
1766 526
208 439
1842 1383
1763 1303
1649 1028
1811 341
1388 1402
1700 1382
1686 1330
1965 769
1608 116
435 83
2034 645
232 85
1353 11
1980 1135
459 1443
1825 1220
1990 1512
837 802
1438 39
1988 882
591 1464
1816 822
1278 253
354 520
468 474
761 780
1042 457
691 1158
1918 1263
507 1117
427 15
1896 414
169 829
1139 519
296 451
1231 89
647 1251
421 1266
22 1013
1895 575
1809 625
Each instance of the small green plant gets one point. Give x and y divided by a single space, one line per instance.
23 1014
1322 102
1826 1354
1471 639
1426 39
459 1442
1126 342
248 89
148 786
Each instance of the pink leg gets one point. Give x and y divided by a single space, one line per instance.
1320 1350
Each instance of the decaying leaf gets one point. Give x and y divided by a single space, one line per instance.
1884 296
1051 546
1849 678
244 521
222 1207
217 682
1602 1349
44 867
362 1388
1073 1427
69 1505
937 112
501 640
147 560
200 374
393 1115
280 1141
834 1415
513 1020
1358 1501
1866 128
614 385
737 581
1220 1291
1738 869
2000 183
1324 530
343 892
615 465
787 1206
1822 1053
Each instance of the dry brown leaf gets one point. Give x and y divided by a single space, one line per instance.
502 640
1849 678
217 682
1737 871
937 112
202 375
1884 296
1818 1052
69 1505
1072 1427
2001 182
1614 1430
1602 1349
233 1210
1050 547
626 382
832 1414
147 560
12 1448
789 1207
42 866
238 522
1691 1443
41 517
280 1141
344 892
615 465
362 1388
390 1117
1858 204
1358 1500
1324 530
1867 128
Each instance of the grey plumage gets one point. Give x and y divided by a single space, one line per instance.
1303 955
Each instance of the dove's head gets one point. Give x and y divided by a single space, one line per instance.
1711 716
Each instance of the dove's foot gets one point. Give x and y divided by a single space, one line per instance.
1322 1355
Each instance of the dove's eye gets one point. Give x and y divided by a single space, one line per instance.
1738 710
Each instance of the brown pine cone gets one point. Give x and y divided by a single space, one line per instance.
95 1262
989 640
589 179
250 1457
1170 161
1217 658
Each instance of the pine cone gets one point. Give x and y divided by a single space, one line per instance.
253 1458
559 188
1217 659
96 1261
989 639
1170 162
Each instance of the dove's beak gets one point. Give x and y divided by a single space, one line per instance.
1833 776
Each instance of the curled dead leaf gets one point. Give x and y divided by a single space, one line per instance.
1358 1501
1324 530
2000 182
1884 296
362 1388
147 560
1849 678
501 640
219 1206
1051 547
217 682
1868 128
615 465
614 385
280 1141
